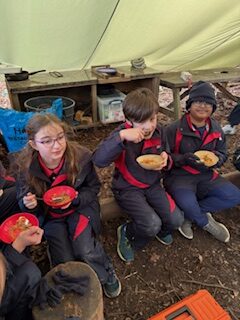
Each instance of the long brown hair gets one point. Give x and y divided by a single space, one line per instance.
3 270
72 154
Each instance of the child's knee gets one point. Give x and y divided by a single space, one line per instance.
151 227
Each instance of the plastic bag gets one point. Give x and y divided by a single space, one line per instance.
13 123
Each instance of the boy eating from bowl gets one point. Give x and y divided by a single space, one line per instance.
138 191
196 187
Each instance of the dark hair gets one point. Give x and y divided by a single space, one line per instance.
73 151
140 104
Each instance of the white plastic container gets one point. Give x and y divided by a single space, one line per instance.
110 107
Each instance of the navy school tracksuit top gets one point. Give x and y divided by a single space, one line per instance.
183 137
128 173
87 184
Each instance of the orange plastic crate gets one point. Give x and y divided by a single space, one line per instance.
198 306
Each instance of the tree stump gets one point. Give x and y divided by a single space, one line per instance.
87 307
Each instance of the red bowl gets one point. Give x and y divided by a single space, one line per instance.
8 236
66 192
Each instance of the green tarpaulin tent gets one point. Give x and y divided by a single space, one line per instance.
73 34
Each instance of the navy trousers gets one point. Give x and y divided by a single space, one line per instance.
197 195
64 246
152 213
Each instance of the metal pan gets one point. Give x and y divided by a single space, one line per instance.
24 75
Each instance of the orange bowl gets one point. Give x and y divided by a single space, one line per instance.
208 158
59 196
150 161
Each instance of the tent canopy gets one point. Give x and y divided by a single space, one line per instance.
76 34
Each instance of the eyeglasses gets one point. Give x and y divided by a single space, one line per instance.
202 104
49 142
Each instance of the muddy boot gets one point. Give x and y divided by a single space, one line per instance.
218 230
186 229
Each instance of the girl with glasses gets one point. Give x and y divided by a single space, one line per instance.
53 157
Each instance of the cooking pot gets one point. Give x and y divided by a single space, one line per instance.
21 75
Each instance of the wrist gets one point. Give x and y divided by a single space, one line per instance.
18 246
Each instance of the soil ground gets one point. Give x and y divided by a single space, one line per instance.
162 275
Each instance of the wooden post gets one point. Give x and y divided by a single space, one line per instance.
176 103
94 103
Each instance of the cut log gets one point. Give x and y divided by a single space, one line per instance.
110 209
87 307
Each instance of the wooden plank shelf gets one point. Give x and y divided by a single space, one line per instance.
81 85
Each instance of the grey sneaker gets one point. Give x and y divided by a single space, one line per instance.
186 229
218 230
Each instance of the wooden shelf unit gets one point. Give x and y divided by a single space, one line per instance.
80 85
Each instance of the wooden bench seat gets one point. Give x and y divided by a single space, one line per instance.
110 209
